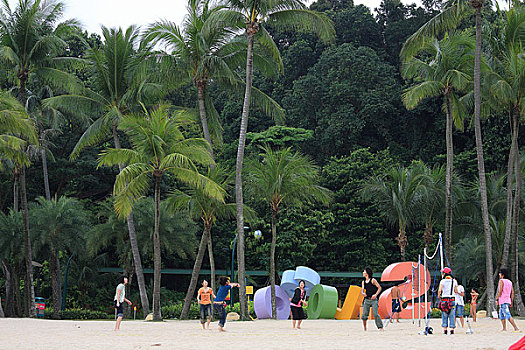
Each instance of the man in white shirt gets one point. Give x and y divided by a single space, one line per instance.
460 304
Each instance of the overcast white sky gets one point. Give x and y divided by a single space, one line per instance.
114 13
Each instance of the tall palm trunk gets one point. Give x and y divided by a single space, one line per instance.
251 30
402 240
195 273
481 161
201 86
510 176
18 296
156 255
272 264
427 234
46 175
16 190
518 301
212 261
29 288
204 121
448 185
134 244
55 282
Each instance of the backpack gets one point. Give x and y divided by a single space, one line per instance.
445 305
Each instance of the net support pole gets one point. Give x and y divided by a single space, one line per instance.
441 250
419 288
425 266
412 294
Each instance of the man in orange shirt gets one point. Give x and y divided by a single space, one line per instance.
204 298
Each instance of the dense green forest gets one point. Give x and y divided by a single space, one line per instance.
359 108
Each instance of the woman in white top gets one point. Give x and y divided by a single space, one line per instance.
447 293
119 299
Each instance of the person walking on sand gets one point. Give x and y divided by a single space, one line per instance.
204 299
396 302
473 304
505 297
446 292
219 304
119 299
370 289
296 305
460 304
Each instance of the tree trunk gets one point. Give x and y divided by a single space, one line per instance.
29 289
156 255
428 234
448 185
55 283
510 176
518 301
212 262
195 273
134 245
204 121
16 180
238 174
46 175
481 164
272 265
9 290
402 241
2 315
16 278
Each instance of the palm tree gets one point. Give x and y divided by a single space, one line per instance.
208 210
284 178
119 71
448 19
395 193
158 148
430 198
59 226
12 258
251 17
30 38
447 76
16 132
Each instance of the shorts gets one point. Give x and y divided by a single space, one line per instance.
460 310
120 309
504 312
396 306
205 310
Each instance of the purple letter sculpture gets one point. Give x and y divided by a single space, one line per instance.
262 303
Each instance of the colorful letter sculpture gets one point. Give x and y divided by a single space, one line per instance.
288 283
398 272
350 308
309 276
262 303
323 302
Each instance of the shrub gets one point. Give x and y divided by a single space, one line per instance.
79 314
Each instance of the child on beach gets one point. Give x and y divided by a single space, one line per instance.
460 304
120 297
370 289
204 298
396 302
505 297
473 304
219 304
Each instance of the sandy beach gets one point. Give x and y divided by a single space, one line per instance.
260 334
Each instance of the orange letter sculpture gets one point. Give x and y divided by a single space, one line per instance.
398 272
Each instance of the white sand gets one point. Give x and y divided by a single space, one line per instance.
261 334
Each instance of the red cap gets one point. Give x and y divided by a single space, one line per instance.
446 270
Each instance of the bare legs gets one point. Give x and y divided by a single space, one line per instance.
298 324
511 321
117 325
